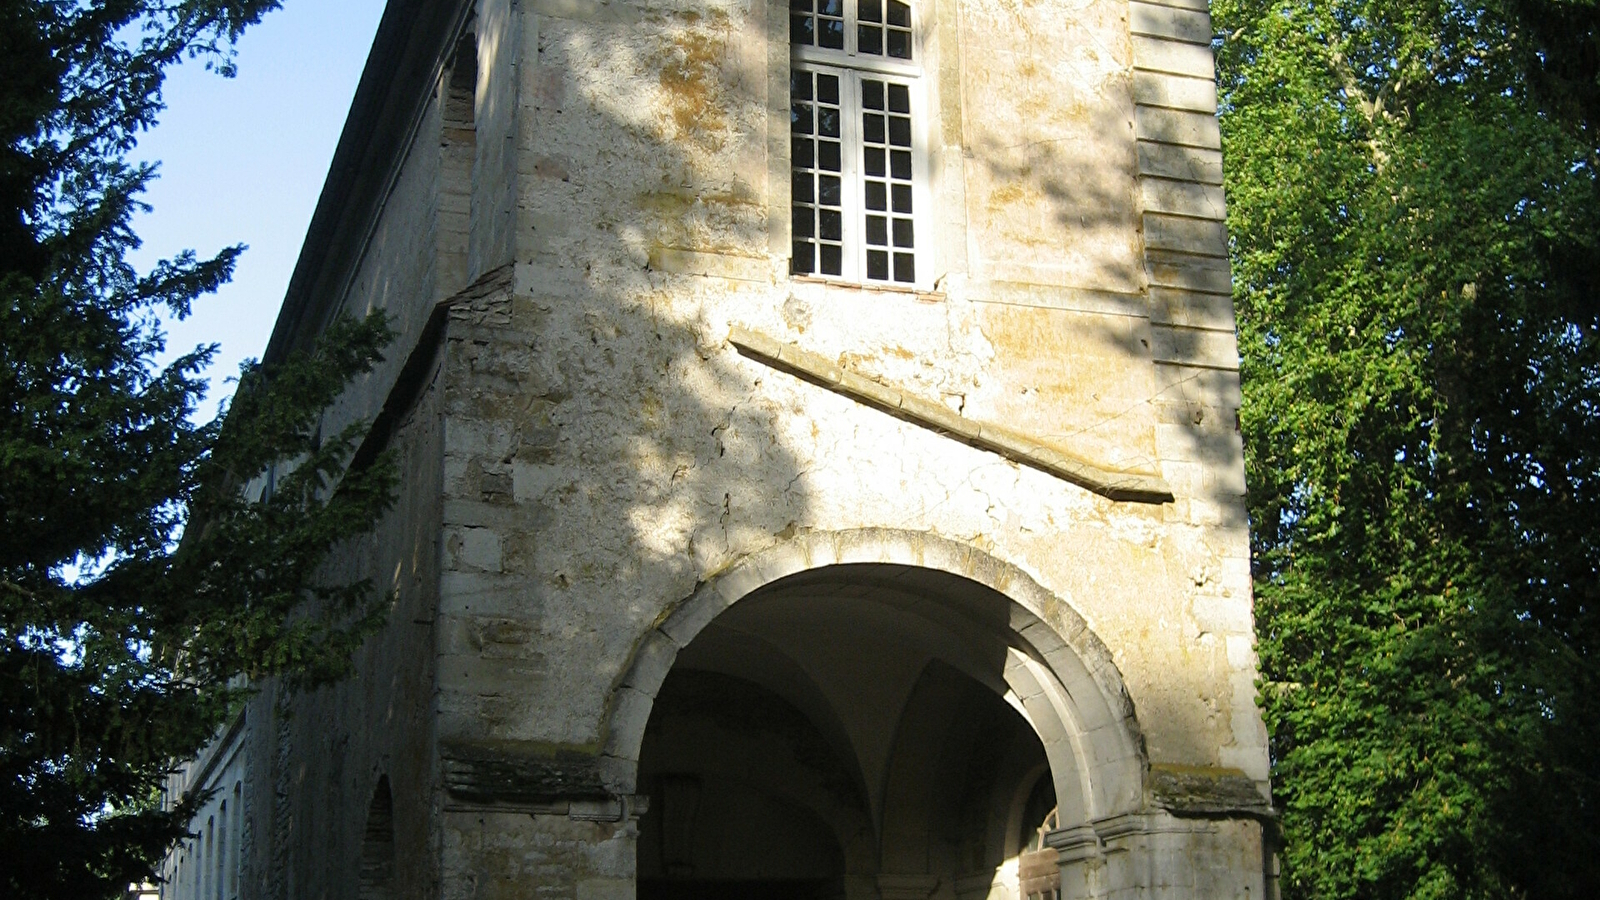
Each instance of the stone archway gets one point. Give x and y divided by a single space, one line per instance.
891 645
377 872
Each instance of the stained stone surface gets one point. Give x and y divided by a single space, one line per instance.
597 478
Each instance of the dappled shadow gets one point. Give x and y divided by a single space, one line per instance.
1053 170
572 419
589 449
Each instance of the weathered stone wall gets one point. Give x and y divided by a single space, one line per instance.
608 448
314 759
1195 353
498 34
602 449
1161 857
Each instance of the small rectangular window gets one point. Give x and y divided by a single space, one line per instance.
854 141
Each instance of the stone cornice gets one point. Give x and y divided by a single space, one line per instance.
413 41
1133 487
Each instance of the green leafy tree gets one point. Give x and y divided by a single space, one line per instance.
184 582
1414 214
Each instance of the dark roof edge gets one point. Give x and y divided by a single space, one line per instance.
413 40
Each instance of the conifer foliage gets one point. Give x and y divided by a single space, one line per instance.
1415 227
183 581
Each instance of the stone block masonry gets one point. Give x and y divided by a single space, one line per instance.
722 573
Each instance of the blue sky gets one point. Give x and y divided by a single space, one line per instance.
242 162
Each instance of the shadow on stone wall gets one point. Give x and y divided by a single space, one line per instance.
603 449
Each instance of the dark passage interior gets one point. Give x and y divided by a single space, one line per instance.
843 736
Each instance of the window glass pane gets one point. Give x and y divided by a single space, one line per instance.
869 40
800 153
872 94
900 131
877 197
828 191
804 258
832 224
832 259
877 230
902 233
832 36
829 156
877 265
872 161
802 187
869 10
833 8
899 98
872 128
900 164
900 44
803 226
802 30
899 13
828 121
800 118
827 89
799 85
902 198
905 268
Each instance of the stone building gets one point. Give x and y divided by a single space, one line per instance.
821 479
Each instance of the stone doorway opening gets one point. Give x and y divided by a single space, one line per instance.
854 732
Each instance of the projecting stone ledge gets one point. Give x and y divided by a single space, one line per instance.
1133 487
521 772
1199 790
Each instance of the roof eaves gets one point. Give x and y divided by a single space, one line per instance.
413 42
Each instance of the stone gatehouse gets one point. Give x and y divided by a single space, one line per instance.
821 479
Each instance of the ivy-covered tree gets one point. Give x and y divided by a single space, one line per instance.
138 578
1415 224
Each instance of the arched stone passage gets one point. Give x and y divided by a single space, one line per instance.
961 757
890 646
747 797
378 880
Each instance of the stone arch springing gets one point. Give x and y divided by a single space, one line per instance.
1058 673
378 879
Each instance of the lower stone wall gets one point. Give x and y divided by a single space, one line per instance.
585 853
318 761
1158 856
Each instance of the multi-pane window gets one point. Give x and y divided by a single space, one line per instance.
816 130
855 113
881 28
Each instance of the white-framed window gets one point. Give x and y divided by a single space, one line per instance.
857 128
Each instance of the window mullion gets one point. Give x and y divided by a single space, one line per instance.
850 27
853 241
